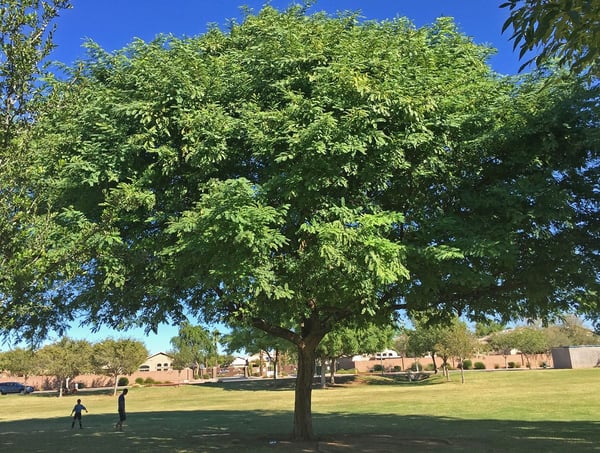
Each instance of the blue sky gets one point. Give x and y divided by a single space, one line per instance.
115 23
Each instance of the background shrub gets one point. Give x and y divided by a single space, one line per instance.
149 381
467 364
123 381
479 366
139 381
397 368
378 368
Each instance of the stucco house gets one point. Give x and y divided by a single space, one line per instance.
157 362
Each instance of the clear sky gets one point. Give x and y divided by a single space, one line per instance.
115 23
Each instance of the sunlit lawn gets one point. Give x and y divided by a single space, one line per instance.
544 410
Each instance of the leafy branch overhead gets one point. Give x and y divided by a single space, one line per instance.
568 30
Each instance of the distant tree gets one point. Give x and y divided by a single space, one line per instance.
576 332
503 342
425 337
347 341
118 357
193 344
568 30
65 359
255 341
530 341
19 362
456 341
488 327
401 344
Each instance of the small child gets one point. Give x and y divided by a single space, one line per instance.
77 411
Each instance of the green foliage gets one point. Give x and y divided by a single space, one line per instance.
479 366
123 381
139 380
487 327
301 173
194 345
19 361
35 253
564 29
67 358
466 364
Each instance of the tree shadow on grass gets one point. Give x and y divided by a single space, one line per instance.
417 379
257 431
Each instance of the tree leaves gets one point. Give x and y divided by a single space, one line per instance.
564 29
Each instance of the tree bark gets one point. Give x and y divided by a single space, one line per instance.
303 429
333 370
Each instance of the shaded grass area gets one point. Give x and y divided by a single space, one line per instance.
525 411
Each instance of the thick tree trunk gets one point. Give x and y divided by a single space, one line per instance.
303 429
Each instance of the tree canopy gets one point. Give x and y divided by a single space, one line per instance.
118 357
34 250
300 173
567 30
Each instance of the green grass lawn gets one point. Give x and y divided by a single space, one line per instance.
544 410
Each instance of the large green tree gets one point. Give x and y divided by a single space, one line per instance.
34 250
304 173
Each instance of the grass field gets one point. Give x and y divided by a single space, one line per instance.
544 410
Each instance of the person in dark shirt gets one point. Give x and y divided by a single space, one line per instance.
122 414
77 411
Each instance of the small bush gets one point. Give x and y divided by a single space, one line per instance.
397 368
416 367
123 381
479 366
467 364
514 365
378 368
429 367
139 381
149 381
496 366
